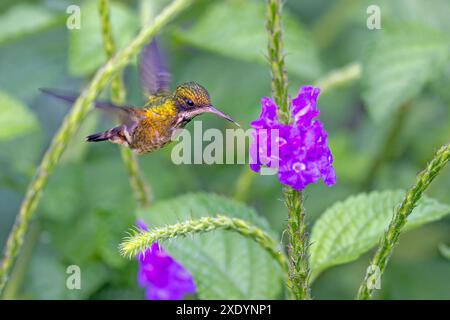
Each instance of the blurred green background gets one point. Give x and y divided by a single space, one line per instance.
88 204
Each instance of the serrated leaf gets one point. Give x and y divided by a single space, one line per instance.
23 19
350 228
399 63
223 263
15 118
433 14
236 29
86 51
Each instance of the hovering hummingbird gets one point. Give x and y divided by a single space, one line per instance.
151 127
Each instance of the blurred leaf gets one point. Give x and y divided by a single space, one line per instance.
445 251
236 29
20 154
46 276
400 62
109 233
63 198
86 51
433 14
93 276
107 186
349 228
15 118
350 164
75 239
77 148
32 62
439 85
94 204
416 280
23 19
223 263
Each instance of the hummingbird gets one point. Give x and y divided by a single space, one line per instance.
151 127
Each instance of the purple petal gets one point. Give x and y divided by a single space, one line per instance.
303 153
141 224
304 105
163 277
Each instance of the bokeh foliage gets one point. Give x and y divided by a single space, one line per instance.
88 203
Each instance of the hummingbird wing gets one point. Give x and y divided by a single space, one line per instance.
127 115
154 74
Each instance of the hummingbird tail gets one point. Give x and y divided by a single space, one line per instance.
117 135
100 136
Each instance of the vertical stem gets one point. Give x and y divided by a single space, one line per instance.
117 86
298 237
390 238
141 189
276 58
118 94
299 271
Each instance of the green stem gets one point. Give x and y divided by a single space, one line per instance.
69 126
299 270
118 93
391 236
141 189
339 77
18 274
276 58
142 240
298 236
117 86
386 150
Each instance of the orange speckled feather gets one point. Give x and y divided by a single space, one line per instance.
156 127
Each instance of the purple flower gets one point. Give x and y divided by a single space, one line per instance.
162 276
300 150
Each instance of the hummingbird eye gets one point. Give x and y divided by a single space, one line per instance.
189 102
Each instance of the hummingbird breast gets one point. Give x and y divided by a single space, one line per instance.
156 128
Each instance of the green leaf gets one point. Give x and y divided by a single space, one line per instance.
223 264
236 29
433 14
86 51
400 62
76 198
47 276
15 118
32 62
445 251
24 19
350 228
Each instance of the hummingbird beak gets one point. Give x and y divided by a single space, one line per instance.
211 109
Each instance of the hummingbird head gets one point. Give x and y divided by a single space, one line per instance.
193 99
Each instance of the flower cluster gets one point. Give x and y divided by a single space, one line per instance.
300 149
162 276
